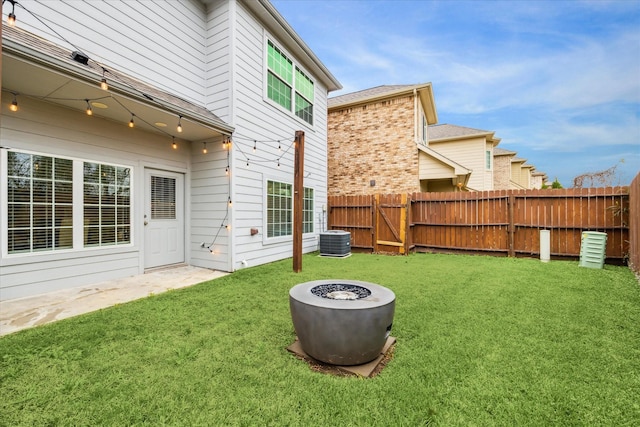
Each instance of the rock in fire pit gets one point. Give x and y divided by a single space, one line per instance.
342 322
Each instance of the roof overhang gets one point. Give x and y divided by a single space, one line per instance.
423 91
457 168
489 137
51 75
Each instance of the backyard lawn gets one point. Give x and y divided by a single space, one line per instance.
480 341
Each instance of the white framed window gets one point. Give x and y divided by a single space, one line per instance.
488 160
279 205
43 191
39 203
107 204
288 85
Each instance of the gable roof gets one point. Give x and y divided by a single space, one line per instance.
502 152
379 93
447 132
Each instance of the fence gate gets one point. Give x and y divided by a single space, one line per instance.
391 223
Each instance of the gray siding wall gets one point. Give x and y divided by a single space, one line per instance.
159 42
257 118
47 130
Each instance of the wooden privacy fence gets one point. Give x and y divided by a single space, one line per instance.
634 225
504 222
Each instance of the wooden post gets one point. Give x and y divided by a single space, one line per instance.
298 200
512 226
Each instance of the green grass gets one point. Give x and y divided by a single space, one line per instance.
481 341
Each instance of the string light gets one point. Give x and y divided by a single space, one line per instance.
204 148
131 122
14 104
103 82
89 110
11 18
174 145
230 202
226 171
278 163
254 145
179 128
279 146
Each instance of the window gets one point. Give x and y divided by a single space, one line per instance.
307 211
488 159
106 205
280 209
40 203
281 81
424 130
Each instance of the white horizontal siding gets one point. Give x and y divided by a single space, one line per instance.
431 168
256 118
159 42
209 199
42 128
469 153
218 61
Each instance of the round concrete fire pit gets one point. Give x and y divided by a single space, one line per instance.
342 322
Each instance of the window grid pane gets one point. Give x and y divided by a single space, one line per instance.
278 91
40 203
304 109
279 209
304 85
307 211
279 64
106 205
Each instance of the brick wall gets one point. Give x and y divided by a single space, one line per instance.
501 172
373 142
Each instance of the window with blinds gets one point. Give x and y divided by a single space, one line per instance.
107 205
40 203
280 209
163 197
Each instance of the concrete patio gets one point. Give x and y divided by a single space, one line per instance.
23 313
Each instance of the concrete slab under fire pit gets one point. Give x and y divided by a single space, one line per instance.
367 370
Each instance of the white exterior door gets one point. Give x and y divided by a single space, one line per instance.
163 218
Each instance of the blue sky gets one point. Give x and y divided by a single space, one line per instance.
558 81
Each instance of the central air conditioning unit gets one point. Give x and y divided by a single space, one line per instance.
335 243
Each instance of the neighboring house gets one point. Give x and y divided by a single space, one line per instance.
377 137
201 83
470 147
502 168
538 179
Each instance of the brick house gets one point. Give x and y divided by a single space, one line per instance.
378 142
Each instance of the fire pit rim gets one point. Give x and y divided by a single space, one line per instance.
379 295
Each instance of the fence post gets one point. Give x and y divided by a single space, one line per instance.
374 221
512 227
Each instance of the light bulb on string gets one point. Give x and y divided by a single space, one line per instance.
204 148
14 104
174 145
11 18
89 110
131 122
230 202
226 171
179 128
254 145
278 163
103 83
279 146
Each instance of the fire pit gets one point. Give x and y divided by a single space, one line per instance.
342 322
